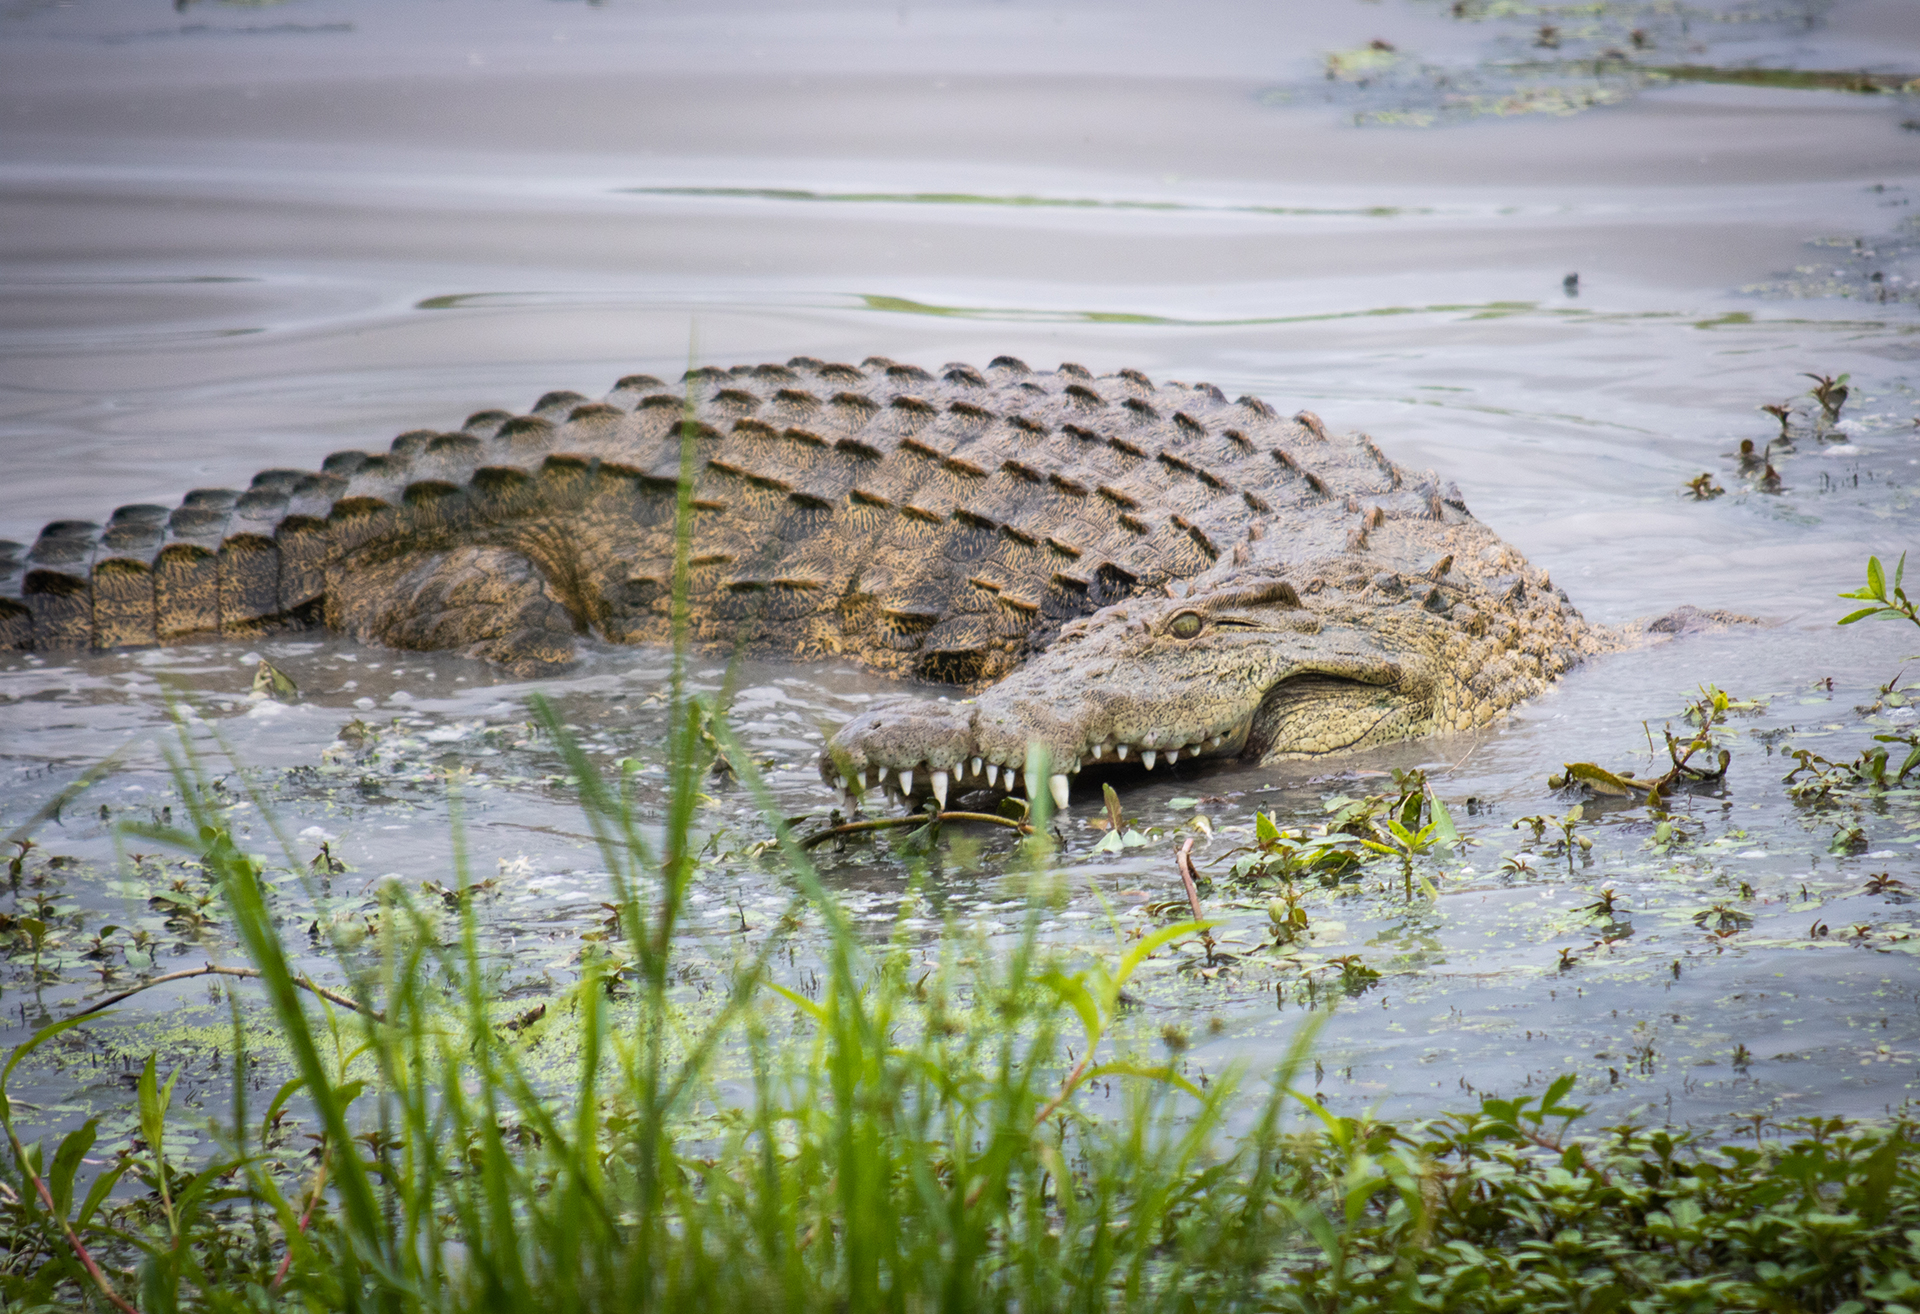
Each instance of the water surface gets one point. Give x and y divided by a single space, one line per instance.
246 236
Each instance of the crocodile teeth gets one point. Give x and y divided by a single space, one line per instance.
993 776
906 782
1173 755
976 766
1058 785
1027 782
1099 751
861 776
1215 741
940 788
1120 751
881 778
1149 756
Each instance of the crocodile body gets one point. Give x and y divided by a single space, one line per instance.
1112 562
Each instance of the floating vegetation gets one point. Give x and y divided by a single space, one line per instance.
1547 58
1882 269
1684 771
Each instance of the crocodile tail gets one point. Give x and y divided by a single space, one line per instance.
223 562
227 561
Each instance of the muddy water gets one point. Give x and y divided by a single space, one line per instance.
246 236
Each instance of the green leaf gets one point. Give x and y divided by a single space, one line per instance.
1263 828
154 1102
1162 1072
1073 989
1109 843
97 1194
1139 953
1442 825
1876 578
1336 1128
1862 614
66 1161
801 1002
280 1099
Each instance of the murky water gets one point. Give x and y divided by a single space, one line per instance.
245 236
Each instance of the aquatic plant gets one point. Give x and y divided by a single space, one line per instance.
1889 604
1831 393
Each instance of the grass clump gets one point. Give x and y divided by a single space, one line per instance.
877 1142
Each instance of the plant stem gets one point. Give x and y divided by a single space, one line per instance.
919 819
306 1215
1185 862
80 1251
245 973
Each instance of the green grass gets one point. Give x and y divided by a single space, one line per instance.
837 1132
975 1138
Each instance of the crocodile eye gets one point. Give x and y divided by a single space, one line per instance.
1186 625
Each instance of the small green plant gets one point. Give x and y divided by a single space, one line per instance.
1831 393
18 862
1120 835
1569 843
1723 919
1888 604
1606 905
1848 837
1287 917
1702 488
1287 853
1355 975
1413 824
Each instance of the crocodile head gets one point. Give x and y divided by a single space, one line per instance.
1243 666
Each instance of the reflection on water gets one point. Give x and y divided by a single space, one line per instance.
230 255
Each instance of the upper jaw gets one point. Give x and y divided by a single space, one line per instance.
918 747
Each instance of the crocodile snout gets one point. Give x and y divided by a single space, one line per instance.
904 746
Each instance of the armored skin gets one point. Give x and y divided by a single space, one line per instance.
1117 570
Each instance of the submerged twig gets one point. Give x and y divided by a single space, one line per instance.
245 973
918 819
1185 862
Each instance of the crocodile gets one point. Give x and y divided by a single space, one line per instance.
1116 570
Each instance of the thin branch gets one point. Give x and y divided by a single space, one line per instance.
918 819
244 973
1067 1088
